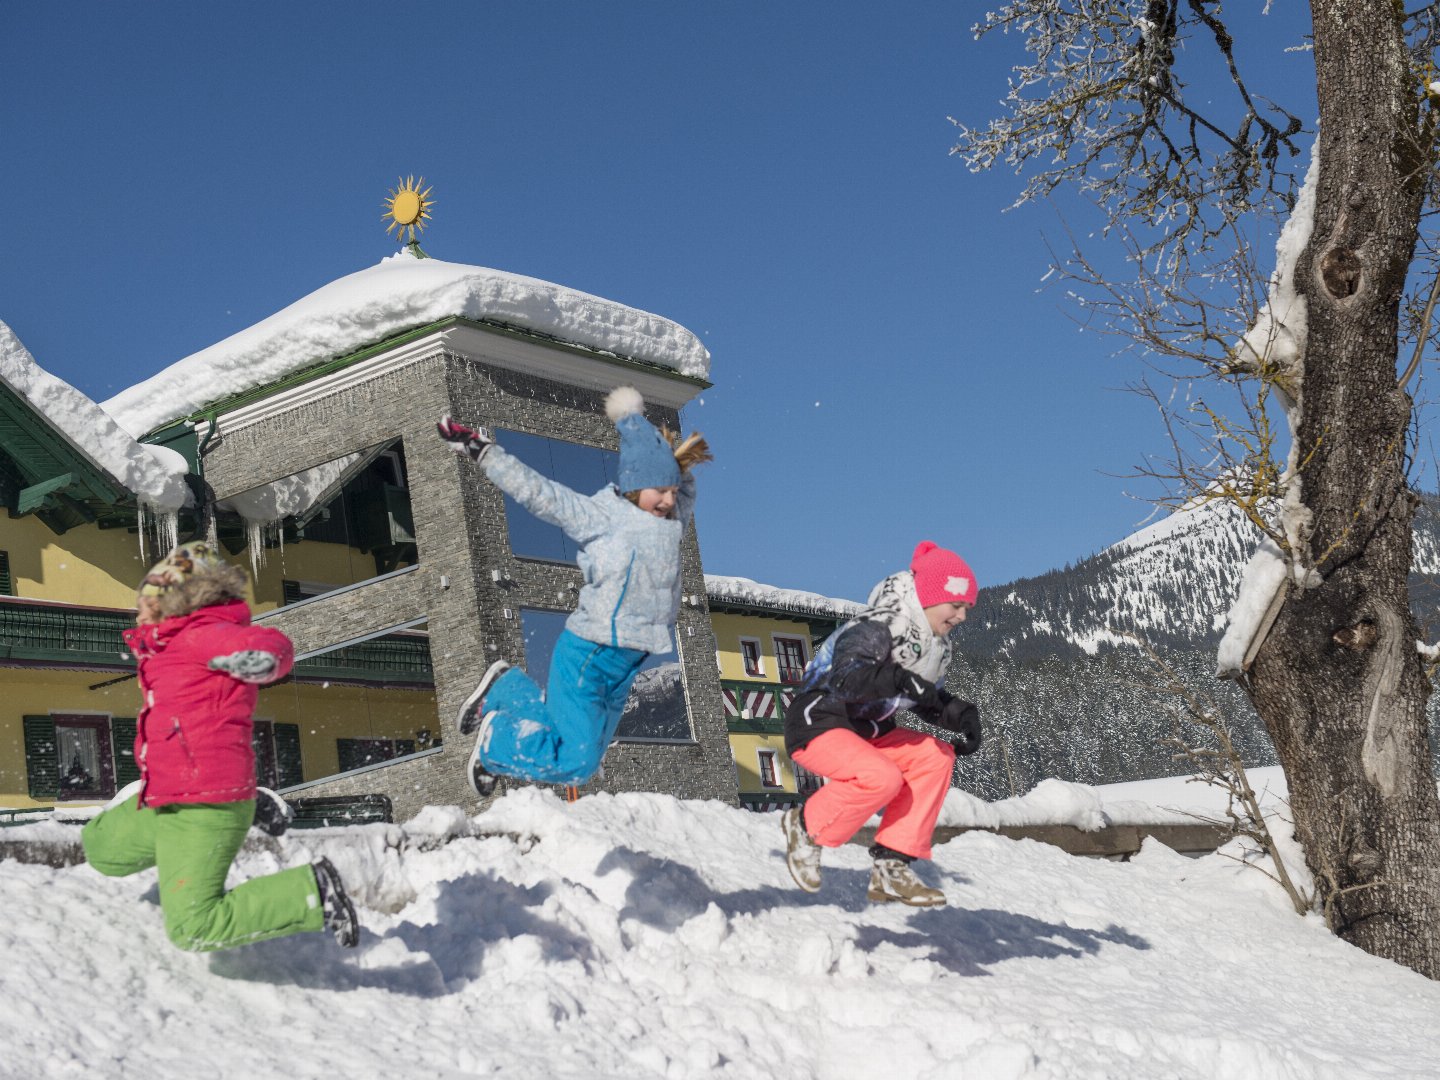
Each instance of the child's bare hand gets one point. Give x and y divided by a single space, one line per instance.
473 442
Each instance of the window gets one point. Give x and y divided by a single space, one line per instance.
358 753
7 584
790 658
584 469
358 703
655 710
805 780
769 771
327 527
83 756
750 656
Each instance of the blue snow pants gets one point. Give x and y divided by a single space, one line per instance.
560 738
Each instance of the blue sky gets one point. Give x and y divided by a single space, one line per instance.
887 365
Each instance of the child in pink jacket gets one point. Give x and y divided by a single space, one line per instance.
841 725
200 665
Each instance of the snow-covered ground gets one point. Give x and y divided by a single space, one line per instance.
641 936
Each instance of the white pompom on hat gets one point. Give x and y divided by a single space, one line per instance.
941 576
646 459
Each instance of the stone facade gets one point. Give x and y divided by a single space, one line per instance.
461 536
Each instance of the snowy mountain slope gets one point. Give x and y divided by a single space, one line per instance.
638 936
1171 583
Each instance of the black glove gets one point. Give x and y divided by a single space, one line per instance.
472 442
963 719
925 695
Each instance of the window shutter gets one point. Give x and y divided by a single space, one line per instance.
122 736
288 766
291 593
7 584
42 757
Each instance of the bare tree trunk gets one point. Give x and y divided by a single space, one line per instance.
1339 681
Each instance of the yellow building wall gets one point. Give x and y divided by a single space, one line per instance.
32 692
103 567
309 560
730 628
323 714
84 565
744 747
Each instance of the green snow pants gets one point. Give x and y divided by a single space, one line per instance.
191 846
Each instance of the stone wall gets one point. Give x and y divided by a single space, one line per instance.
461 536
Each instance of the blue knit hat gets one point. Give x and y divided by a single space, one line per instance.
646 459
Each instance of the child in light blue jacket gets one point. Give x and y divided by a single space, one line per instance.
629 539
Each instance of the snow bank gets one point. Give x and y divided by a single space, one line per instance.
1180 800
640 936
399 294
155 474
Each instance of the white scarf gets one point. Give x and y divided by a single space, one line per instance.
913 645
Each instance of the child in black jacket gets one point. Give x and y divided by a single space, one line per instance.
841 726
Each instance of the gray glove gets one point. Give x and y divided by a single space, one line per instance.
248 665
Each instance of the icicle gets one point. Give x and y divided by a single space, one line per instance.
255 541
140 532
168 529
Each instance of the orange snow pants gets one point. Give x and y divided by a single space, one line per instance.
907 772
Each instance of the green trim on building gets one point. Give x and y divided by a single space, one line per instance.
42 757
751 798
122 741
41 473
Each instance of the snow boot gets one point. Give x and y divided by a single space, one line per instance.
473 711
802 855
272 813
481 779
892 879
340 917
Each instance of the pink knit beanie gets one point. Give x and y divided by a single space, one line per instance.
941 576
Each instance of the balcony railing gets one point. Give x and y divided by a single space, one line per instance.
43 633
64 633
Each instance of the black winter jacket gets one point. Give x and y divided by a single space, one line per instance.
854 682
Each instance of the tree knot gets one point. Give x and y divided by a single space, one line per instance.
1340 269
1359 637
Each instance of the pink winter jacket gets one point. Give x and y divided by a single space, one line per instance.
193 739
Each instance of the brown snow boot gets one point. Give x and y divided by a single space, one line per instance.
892 879
802 855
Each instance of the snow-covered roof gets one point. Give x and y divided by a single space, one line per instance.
739 590
401 293
155 474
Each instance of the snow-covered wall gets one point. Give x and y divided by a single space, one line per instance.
744 591
401 293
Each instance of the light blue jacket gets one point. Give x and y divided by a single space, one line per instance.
630 559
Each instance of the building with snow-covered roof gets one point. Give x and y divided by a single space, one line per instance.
764 637
307 447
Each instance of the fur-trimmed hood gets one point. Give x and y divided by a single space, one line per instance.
211 588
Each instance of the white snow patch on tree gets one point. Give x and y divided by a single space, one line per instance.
1275 346
1261 582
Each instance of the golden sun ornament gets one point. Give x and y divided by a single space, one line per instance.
408 209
